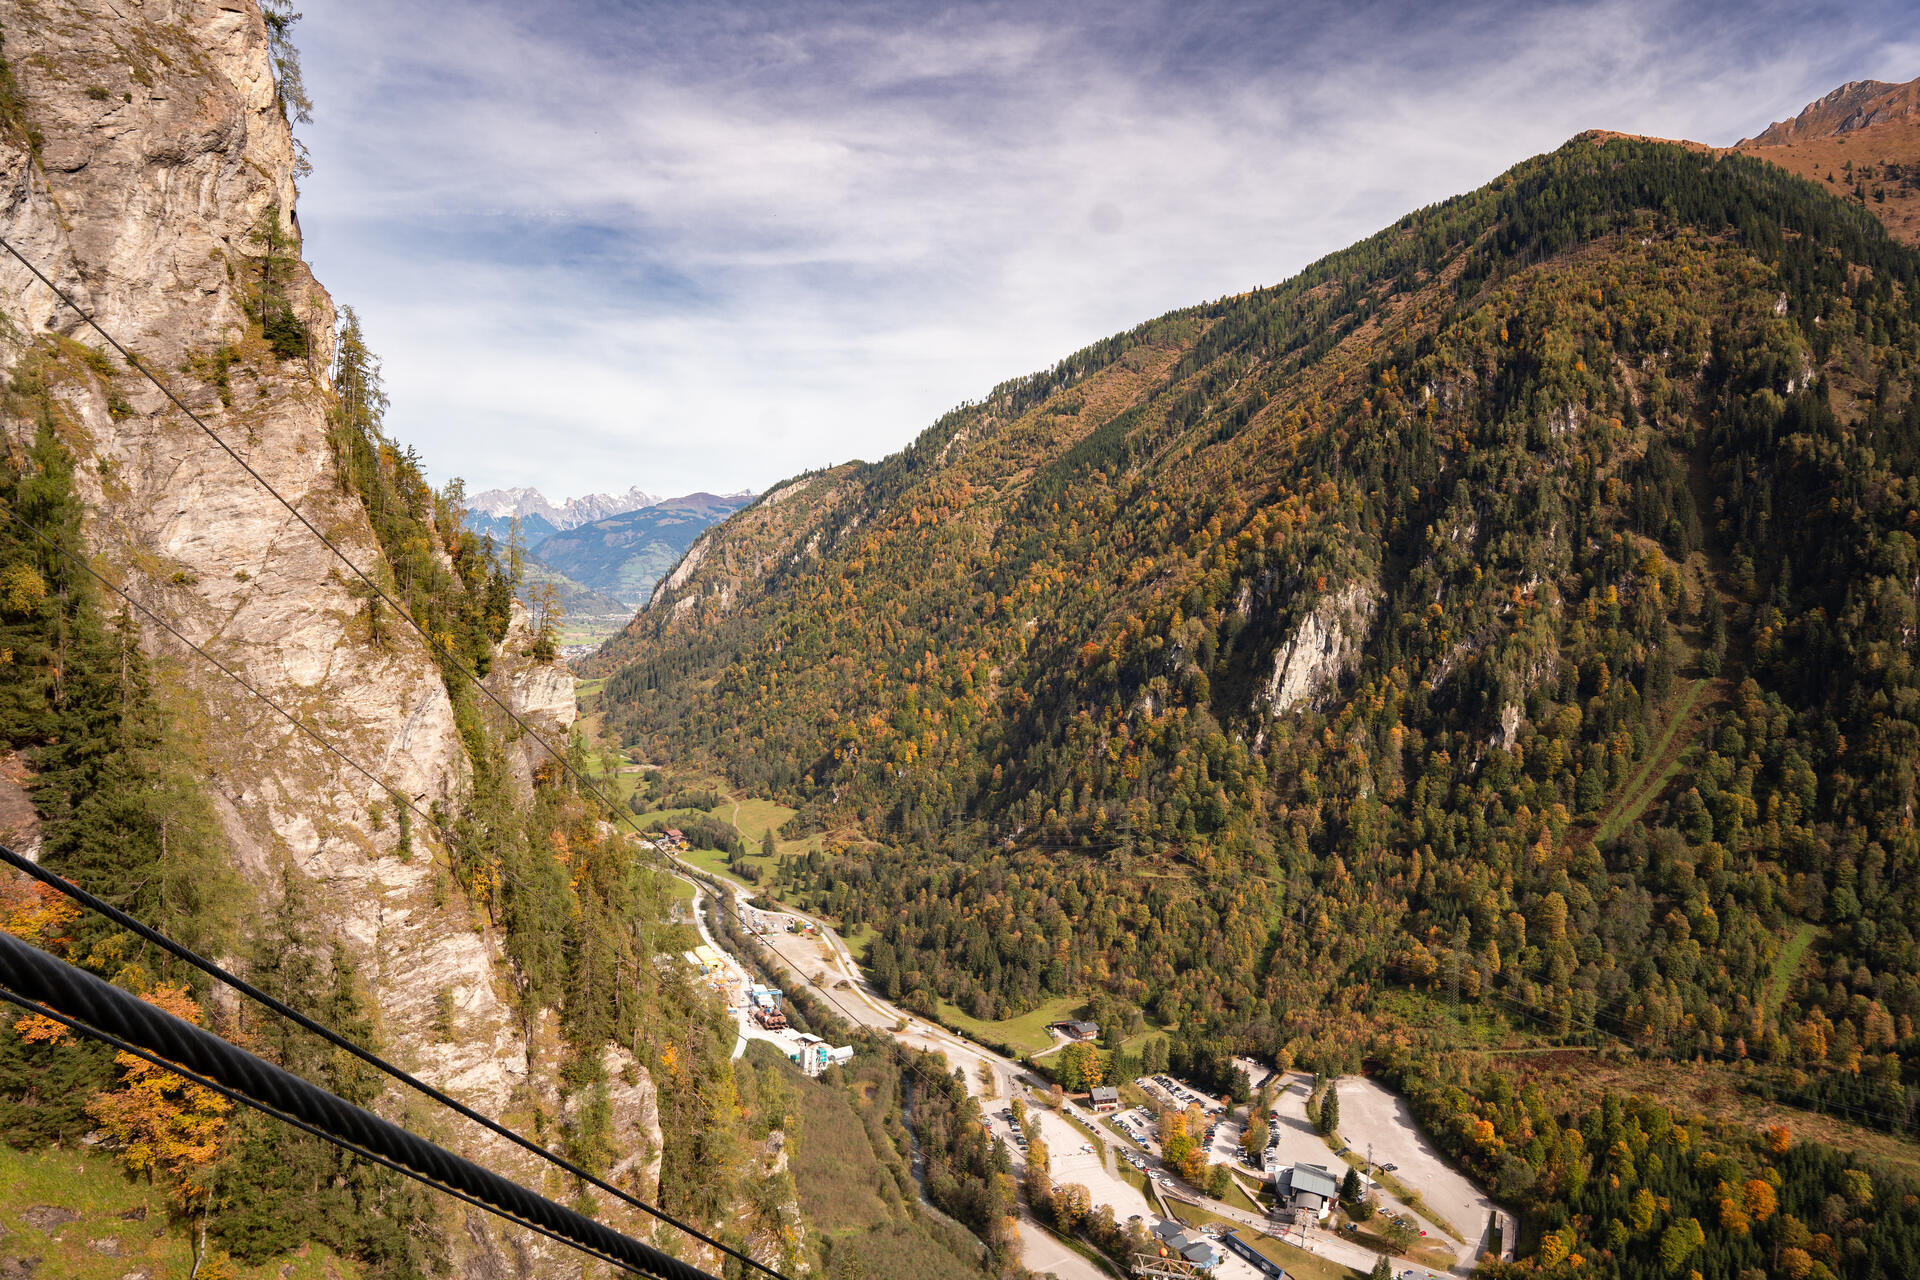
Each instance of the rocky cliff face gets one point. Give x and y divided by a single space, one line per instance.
152 147
1324 648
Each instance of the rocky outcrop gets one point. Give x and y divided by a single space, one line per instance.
161 148
19 824
1322 649
1858 104
540 693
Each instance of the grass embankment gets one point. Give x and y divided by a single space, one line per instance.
1026 1033
1298 1262
1239 1199
1084 1249
845 1192
1427 1252
118 1225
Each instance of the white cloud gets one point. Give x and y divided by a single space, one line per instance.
710 246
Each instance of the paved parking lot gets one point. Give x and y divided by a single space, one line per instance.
1070 1164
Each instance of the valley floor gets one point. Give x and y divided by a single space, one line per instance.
825 963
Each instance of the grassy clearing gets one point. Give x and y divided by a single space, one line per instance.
757 817
715 862
1661 764
1133 1042
1027 1033
114 1212
1786 965
859 940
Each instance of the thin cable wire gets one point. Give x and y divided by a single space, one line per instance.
399 797
434 644
128 922
124 1046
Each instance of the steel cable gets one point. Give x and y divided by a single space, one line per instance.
35 976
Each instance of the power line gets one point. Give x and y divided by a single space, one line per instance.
44 984
167 944
434 644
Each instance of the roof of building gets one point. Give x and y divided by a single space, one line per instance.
1199 1251
1313 1180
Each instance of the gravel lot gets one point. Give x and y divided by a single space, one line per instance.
1299 1142
1369 1113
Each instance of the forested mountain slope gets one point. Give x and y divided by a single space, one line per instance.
1522 600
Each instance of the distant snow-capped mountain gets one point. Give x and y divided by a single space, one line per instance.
526 501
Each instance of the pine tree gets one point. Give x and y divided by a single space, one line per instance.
1330 1109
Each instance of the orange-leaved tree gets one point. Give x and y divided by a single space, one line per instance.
168 1127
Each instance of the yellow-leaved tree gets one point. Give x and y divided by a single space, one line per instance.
168 1127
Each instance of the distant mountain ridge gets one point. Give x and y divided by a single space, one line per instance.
1858 104
624 555
525 501
1862 141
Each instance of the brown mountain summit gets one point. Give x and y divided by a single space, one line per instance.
1856 105
1863 139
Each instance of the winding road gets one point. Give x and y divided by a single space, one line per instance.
822 961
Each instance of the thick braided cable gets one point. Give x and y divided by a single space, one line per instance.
37 976
115 1042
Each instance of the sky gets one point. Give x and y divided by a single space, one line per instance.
710 245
